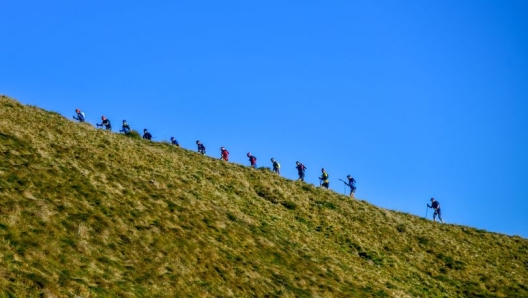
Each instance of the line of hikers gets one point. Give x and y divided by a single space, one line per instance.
301 168
125 127
224 155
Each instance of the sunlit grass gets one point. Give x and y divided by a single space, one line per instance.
85 212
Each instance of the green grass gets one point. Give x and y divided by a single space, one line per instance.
85 212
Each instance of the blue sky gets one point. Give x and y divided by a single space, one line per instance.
415 99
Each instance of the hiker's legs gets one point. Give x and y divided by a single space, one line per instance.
440 215
352 191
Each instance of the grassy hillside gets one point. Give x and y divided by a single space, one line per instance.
85 212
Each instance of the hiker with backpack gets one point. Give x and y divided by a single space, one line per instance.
105 122
80 116
324 178
300 170
125 128
201 147
352 184
146 135
276 166
224 154
174 142
436 206
252 160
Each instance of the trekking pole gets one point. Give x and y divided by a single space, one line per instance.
426 210
345 184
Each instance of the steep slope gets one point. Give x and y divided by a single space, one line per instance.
90 213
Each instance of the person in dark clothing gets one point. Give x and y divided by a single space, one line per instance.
436 206
106 123
174 142
276 166
201 147
146 135
324 179
300 170
352 184
80 116
125 128
252 160
224 154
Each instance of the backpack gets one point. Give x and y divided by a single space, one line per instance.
276 164
253 159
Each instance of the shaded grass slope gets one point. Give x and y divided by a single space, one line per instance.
85 212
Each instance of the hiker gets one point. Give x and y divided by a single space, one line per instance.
146 135
201 147
252 160
105 122
125 128
352 184
174 142
436 206
276 166
300 170
324 178
80 116
224 154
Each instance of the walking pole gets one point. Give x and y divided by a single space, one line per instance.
426 209
345 185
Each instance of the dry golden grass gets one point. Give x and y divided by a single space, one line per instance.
90 213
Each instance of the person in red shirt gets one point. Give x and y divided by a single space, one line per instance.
224 154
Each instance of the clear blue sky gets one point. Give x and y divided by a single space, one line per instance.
415 99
